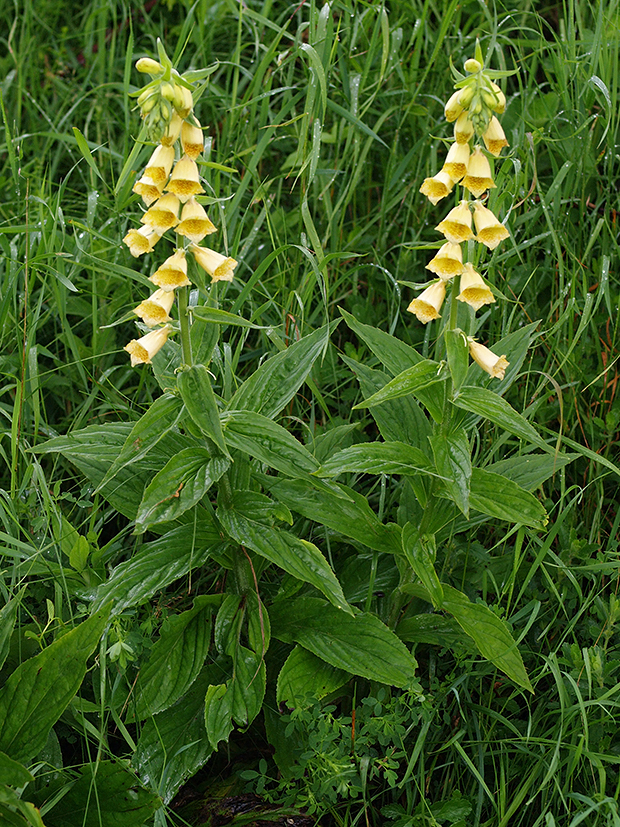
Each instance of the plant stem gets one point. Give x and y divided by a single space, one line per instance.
186 342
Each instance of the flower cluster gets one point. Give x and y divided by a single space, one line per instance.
473 108
169 187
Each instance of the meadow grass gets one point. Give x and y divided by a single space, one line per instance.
322 122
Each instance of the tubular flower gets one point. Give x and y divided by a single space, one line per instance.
456 161
428 304
160 164
494 138
156 308
499 102
185 179
474 291
172 273
163 214
183 101
437 187
463 129
192 140
195 223
448 262
141 241
456 226
172 130
143 349
490 231
149 190
453 107
478 178
219 267
494 365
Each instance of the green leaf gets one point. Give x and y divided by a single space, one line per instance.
218 714
299 558
457 351
84 149
239 700
13 773
176 659
158 564
420 553
489 405
215 316
489 632
106 793
500 497
8 614
36 694
418 376
304 676
434 629
352 517
394 354
278 379
453 462
531 470
378 458
195 388
179 486
361 645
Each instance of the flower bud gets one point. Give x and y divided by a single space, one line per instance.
148 66
473 66
453 107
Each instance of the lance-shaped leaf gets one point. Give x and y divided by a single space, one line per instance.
304 675
453 462
8 613
195 388
531 470
500 497
378 458
420 553
412 379
215 316
360 644
489 405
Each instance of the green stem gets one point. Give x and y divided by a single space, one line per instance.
186 342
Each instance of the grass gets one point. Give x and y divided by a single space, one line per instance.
322 123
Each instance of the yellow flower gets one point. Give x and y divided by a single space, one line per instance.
494 365
456 226
172 273
183 101
490 230
456 161
163 214
219 267
474 291
428 304
437 187
498 102
185 179
448 262
494 138
191 139
453 107
149 190
141 241
173 130
478 178
160 163
156 308
463 129
195 223
143 349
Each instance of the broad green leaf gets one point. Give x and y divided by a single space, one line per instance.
237 701
425 373
215 316
298 557
158 564
36 694
434 629
353 517
195 388
106 793
420 553
173 745
8 613
531 470
204 336
304 676
176 659
378 458
13 773
394 354
500 497
457 351
453 463
179 486
489 632
361 645
218 714
489 405
278 379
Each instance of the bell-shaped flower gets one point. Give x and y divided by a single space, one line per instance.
192 139
448 262
478 178
219 267
155 310
149 190
463 129
474 290
456 226
172 273
163 214
437 187
494 365
143 349
494 138
183 100
172 130
456 161
160 163
453 107
141 241
195 224
496 99
185 179
428 304
489 230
